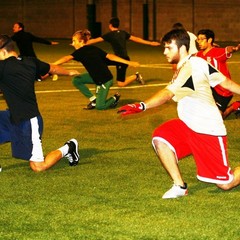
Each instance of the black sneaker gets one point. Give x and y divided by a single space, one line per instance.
116 97
237 114
91 105
139 78
73 155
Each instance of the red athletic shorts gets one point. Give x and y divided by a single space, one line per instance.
209 152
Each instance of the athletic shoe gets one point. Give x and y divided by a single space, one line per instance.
236 106
176 191
139 78
72 155
54 77
237 114
91 105
116 96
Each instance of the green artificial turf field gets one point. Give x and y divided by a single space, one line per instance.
115 191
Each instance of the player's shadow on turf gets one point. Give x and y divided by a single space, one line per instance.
123 102
232 116
87 153
209 187
20 165
85 156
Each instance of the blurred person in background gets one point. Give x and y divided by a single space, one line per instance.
118 39
24 41
218 57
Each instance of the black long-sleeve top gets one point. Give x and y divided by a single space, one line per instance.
24 41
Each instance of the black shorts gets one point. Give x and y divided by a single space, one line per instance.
121 72
221 101
120 67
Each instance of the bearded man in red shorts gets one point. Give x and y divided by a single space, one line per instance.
192 133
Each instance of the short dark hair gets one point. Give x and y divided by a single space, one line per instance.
208 33
115 22
180 36
21 25
178 25
6 42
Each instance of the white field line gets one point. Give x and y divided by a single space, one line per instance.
151 65
115 88
155 66
72 65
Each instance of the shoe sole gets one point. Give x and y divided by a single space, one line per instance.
75 153
140 80
175 196
89 108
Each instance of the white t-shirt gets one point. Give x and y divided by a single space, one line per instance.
196 106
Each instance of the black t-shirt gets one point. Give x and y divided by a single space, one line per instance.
95 61
118 40
24 41
17 79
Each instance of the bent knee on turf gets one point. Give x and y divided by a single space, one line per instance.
101 107
121 84
225 187
37 166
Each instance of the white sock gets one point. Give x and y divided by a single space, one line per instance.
64 150
92 98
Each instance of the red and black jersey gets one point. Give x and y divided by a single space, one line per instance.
218 57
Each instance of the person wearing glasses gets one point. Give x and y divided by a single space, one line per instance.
218 57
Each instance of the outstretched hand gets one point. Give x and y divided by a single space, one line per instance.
231 49
155 44
132 108
54 43
73 72
134 64
237 47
